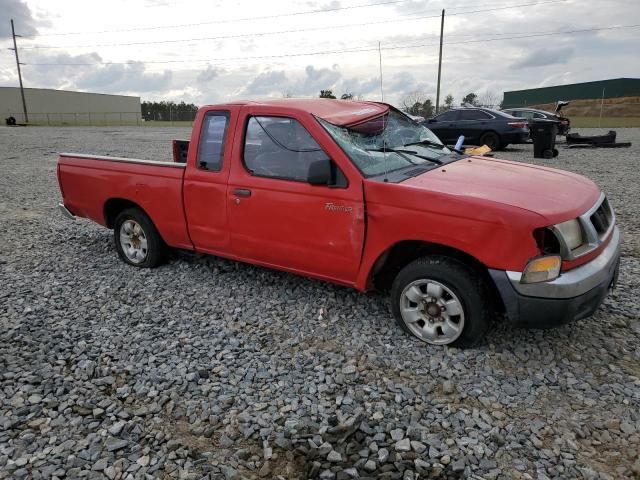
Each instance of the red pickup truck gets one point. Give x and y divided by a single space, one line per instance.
359 194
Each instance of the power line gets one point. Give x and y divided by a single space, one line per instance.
340 51
300 30
231 20
243 19
532 35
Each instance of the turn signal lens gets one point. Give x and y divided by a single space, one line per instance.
542 269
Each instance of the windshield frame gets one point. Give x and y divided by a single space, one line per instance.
425 163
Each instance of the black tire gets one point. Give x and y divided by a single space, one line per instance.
462 281
155 251
491 140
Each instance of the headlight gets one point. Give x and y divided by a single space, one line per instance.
571 233
542 269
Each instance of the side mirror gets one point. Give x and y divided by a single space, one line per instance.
319 172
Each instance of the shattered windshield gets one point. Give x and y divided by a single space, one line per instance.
388 143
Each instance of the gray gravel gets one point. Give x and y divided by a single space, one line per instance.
206 368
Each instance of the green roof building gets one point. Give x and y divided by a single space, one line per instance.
617 87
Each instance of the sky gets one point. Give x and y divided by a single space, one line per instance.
207 52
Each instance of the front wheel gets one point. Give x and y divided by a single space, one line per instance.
137 241
491 140
441 301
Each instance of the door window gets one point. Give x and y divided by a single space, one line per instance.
447 116
474 115
280 147
212 138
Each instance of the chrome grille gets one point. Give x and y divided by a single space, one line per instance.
601 218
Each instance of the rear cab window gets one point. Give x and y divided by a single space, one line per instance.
212 140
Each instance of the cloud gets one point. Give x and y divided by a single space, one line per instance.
124 79
317 79
266 83
324 5
69 73
544 57
360 86
25 23
407 82
211 73
274 82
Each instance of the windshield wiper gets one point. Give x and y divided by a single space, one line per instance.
396 150
428 143
410 152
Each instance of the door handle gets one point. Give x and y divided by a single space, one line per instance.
242 192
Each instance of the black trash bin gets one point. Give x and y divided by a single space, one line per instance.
543 134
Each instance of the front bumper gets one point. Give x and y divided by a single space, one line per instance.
574 295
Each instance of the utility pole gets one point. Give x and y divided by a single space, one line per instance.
15 49
440 63
601 107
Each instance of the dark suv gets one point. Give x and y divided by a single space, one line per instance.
480 126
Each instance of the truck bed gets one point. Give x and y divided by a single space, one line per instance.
90 183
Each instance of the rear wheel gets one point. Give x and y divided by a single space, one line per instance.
441 301
491 140
137 241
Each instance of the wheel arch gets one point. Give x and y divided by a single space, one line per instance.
489 130
397 256
114 206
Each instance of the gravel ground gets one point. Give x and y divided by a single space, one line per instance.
205 368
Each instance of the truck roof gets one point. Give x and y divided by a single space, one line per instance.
337 112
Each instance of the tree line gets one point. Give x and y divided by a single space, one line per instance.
168 111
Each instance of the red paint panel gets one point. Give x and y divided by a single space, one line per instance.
287 223
555 194
205 192
89 183
499 236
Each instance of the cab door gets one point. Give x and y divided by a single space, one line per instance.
276 217
445 127
206 177
472 123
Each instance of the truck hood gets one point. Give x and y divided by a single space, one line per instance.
554 194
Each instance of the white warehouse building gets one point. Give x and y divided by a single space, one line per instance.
61 107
